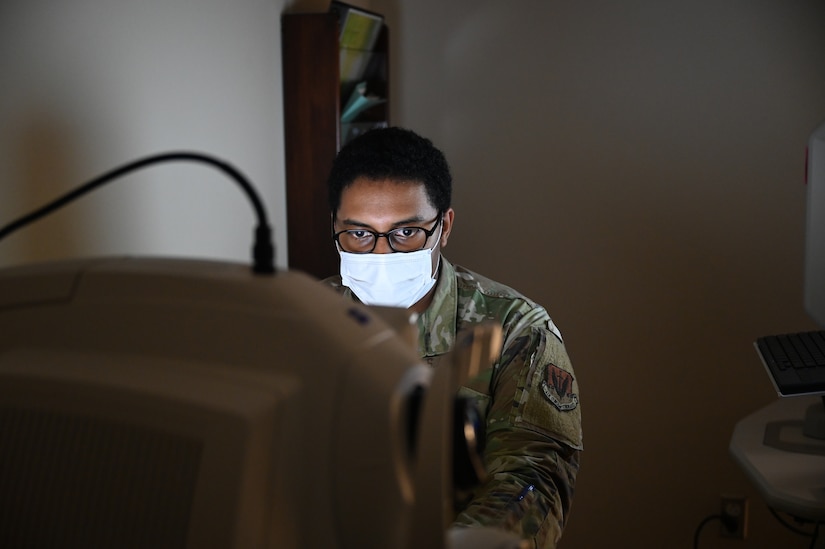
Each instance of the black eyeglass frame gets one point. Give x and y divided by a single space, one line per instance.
438 219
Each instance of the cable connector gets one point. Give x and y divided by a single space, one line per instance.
263 251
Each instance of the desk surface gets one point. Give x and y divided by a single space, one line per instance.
787 467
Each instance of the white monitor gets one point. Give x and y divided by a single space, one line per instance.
815 228
193 404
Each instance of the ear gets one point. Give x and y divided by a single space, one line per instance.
449 217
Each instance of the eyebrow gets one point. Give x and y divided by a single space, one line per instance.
402 223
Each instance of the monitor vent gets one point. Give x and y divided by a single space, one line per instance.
72 481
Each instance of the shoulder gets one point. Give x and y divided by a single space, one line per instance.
334 281
532 384
471 281
336 285
480 297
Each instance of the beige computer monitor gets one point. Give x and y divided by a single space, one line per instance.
183 403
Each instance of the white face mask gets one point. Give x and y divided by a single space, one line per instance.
390 280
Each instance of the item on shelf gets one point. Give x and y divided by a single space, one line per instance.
358 33
358 28
359 101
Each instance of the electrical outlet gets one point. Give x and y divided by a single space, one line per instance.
734 512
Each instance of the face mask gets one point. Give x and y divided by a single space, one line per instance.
390 280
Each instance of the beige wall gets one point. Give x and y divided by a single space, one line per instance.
89 85
636 167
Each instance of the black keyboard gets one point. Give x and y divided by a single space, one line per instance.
795 362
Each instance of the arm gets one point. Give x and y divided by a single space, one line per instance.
528 494
533 440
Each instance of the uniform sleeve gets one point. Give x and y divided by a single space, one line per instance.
533 440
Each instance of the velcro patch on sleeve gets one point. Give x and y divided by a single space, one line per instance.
549 402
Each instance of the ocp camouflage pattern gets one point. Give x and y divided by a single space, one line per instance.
528 399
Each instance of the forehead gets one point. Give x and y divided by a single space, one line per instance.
366 199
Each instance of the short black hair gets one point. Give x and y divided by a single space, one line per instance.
393 153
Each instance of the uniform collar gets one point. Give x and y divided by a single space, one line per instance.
437 324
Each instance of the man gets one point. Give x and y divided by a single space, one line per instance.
389 194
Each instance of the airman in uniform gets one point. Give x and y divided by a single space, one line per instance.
389 193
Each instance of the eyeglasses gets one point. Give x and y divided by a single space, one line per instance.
401 239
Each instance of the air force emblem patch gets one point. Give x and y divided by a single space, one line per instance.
557 387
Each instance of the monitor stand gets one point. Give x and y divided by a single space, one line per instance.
814 426
785 464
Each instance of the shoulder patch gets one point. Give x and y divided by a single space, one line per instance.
550 400
557 387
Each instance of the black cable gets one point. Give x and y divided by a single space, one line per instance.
699 528
263 254
790 527
814 535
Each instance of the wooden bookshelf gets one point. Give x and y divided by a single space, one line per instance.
312 94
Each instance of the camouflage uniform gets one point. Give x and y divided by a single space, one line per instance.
528 398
